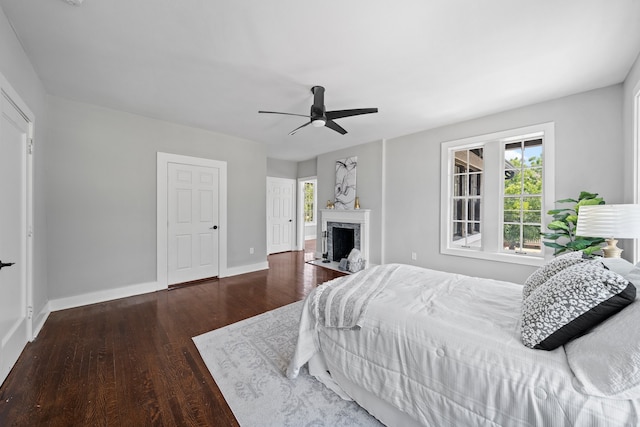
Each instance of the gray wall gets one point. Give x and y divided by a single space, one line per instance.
101 195
308 168
368 184
282 169
589 152
17 69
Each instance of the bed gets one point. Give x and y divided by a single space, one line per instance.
415 346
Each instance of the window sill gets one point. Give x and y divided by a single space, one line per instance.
535 261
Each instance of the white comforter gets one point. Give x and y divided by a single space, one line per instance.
445 349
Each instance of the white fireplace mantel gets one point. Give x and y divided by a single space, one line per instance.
354 216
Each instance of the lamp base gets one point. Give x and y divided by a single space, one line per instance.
612 250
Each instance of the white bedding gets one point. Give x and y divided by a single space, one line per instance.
445 349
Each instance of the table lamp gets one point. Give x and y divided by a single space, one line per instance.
609 222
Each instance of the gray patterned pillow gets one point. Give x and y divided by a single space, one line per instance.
550 269
571 302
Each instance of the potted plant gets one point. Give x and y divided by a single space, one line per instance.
562 236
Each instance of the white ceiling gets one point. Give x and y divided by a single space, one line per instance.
213 64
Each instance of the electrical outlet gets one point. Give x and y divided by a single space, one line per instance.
414 256
251 251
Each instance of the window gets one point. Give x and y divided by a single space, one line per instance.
496 189
466 197
309 202
522 196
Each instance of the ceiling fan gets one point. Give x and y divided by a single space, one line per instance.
319 117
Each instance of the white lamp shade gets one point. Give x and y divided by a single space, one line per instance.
609 221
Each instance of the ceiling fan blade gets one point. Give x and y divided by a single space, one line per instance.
332 115
286 114
333 125
298 128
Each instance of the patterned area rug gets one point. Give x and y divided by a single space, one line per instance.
248 361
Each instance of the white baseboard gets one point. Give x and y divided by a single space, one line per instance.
102 296
243 269
123 292
39 319
310 237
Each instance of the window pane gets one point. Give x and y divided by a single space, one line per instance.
460 161
458 210
513 155
475 181
459 186
512 204
476 160
458 233
511 236
473 210
532 216
513 182
532 153
532 203
532 181
531 234
512 216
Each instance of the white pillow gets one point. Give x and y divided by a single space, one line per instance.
606 360
619 265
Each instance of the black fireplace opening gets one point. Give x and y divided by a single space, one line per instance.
343 242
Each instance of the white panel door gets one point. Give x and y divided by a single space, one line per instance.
280 214
13 232
193 222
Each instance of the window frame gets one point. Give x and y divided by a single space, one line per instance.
492 207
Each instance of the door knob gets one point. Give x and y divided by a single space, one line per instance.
215 227
6 264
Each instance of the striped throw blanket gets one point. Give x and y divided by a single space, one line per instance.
341 302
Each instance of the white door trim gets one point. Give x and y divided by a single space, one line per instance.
8 91
163 160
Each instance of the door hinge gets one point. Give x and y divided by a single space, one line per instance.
30 145
30 312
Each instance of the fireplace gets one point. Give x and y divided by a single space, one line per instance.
341 239
345 229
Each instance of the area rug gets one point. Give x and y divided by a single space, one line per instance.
248 361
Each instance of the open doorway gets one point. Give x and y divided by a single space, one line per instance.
307 214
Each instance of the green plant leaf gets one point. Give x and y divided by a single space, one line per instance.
553 245
557 211
566 201
578 245
590 250
587 195
588 202
563 216
558 225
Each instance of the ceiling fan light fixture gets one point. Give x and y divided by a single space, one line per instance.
318 122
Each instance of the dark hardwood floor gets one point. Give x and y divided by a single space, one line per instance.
131 362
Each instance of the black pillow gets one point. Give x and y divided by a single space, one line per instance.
572 302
